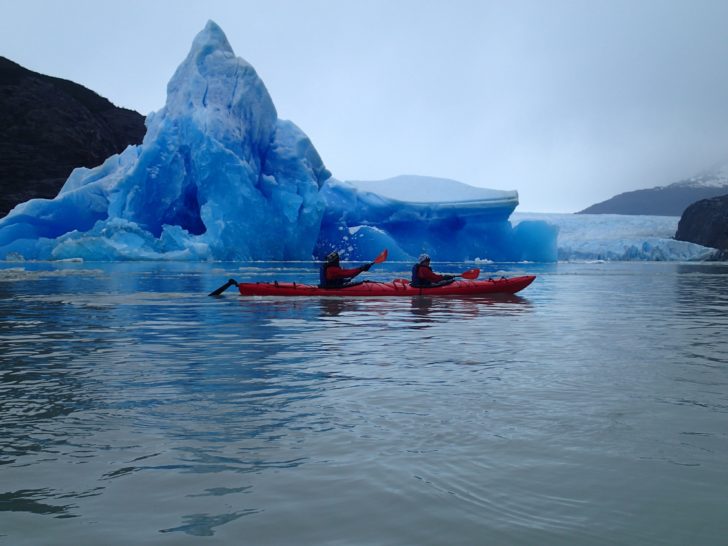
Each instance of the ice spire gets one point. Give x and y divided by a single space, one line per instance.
218 176
221 92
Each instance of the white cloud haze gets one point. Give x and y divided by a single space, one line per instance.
567 102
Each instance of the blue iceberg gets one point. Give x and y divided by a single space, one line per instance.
220 177
359 223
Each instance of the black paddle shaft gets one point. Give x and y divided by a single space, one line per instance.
224 287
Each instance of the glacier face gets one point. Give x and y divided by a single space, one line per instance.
618 237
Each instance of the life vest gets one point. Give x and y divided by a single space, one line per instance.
416 280
326 283
322 276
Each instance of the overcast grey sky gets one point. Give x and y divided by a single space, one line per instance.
568 102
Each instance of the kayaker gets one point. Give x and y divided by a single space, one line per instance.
424 276
333 276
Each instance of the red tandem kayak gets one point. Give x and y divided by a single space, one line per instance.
398 287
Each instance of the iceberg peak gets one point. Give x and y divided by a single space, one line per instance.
214 86
211 38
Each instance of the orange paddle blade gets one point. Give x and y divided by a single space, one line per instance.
382 256
470 274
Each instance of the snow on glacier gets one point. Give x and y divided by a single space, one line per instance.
219 176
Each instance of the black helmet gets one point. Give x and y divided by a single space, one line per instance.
332 258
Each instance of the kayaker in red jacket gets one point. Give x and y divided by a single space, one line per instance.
333 276
423 275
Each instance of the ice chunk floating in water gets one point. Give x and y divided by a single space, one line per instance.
219 176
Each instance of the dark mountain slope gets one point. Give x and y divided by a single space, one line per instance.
48 127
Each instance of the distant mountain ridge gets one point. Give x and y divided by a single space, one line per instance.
670 200
48 127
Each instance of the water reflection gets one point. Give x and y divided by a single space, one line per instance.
432 308
700 322
333 307
703 286
26 501
203 525
467 305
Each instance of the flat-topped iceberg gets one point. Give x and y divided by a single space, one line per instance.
360 223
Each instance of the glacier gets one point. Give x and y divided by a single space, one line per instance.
618 237
219 176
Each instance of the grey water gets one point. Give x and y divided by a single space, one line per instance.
592 408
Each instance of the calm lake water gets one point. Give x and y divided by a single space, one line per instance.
592 409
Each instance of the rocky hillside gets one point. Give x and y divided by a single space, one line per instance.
669 200
48 127
705 223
